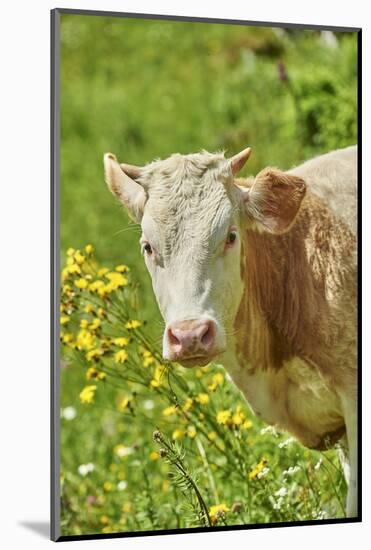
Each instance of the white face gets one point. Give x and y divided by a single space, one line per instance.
193 256
192 214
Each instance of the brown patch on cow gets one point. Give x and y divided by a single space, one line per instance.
328 440
299 297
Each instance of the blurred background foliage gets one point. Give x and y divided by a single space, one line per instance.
144 89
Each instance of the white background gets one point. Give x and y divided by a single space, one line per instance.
24 271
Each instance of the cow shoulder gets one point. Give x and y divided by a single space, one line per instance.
296 399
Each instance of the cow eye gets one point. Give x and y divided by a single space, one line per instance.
147 248
232 236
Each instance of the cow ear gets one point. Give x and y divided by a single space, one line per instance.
274 200
124 187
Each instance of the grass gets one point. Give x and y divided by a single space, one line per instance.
145 89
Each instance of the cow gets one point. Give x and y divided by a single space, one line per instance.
258 274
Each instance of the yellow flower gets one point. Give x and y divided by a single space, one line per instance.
94 374
65 273
106 343
224 417
87 394
123 403
104 290
191 432
64 319
70 252
247 425
66 337
101 312
126 507
202 398
95 324
116 280
85 340
258 469
107 486
102 271
89 249
105 520
156 380
88 308
84 323
81 283
96 286
148 359
217 380
218 512
67 290
188 404
121 341
154 455
211 436
79 258
177 433
133 324
238 417
169 410
122 268
121 356
71 270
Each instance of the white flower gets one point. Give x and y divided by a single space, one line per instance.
277 505
148 404
269 430
124 451
291 471
85 469
318 465
121 486
68 413
263 473
281 492
285 442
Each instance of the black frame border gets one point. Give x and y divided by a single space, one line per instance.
55 533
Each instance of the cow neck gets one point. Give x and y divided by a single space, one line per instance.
283 308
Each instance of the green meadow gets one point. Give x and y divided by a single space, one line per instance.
145 89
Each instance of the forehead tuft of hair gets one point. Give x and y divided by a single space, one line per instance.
177 168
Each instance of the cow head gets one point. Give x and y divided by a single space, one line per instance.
193 218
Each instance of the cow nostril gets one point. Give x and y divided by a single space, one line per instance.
208 335
173 340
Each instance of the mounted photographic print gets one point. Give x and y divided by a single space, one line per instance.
204 280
